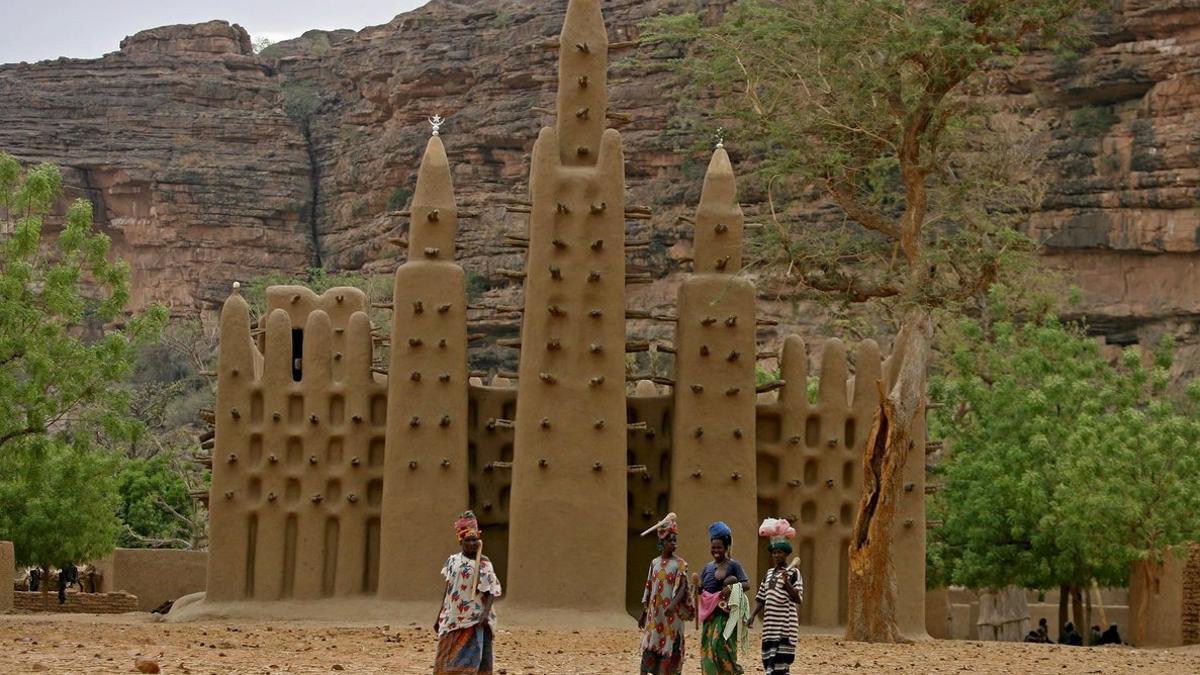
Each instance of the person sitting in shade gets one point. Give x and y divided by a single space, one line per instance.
1070 636
1040 635
466 623
1111 636
778 599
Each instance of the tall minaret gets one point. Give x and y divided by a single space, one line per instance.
713 463
425 470
568 510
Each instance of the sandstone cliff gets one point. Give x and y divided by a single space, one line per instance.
212 164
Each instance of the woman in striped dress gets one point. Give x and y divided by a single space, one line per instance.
778 600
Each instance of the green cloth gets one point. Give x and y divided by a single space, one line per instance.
718 656
739 612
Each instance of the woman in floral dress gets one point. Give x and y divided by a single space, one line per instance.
466 624
665 606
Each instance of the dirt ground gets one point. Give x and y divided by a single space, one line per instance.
94 644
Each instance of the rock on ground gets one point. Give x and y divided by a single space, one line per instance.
109 644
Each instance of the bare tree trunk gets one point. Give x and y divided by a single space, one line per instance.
872 582
1077 611
1087 613
1064 601
1143 608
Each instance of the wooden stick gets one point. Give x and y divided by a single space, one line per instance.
696 596
666 518
475 574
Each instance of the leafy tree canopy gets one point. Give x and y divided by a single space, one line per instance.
61 508
60 359
885 110
156 509
1063 466
66 350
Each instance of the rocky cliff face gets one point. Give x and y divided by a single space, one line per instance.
180 140
211 163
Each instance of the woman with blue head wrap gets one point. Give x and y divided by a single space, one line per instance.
718 653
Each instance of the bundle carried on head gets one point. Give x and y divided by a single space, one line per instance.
719 530
778 532
466 525
667 527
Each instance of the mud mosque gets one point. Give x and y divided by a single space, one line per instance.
334 481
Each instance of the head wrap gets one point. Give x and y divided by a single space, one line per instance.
778 532
719 530
667 527
466 525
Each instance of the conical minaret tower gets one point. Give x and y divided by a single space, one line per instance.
713 468
568 507
425 471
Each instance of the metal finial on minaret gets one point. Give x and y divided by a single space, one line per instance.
436 122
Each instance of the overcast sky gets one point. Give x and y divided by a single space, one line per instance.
91 28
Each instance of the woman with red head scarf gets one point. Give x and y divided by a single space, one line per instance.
466 623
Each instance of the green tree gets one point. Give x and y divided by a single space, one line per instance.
1063 468
64 359
61 508
156 508
880 107
60 357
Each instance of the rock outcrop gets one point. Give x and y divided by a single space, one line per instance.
211 163
180 140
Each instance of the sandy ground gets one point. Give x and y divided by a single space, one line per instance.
94 644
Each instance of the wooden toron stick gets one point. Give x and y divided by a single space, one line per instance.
475 572
666 519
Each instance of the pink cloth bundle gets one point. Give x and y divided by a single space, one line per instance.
708 604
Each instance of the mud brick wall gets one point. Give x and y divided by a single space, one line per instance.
297 483
810 465
154 575
568 531
1191 597
649 491
1171 591
490 416
77 603
425 474
715 351
7 572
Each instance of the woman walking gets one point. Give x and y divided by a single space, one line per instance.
723 605
466 624
665 606
778 599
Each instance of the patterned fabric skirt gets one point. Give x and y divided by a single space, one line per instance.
718 656
778 655
654 663
467 650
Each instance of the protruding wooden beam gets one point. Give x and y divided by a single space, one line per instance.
637 346
770 386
